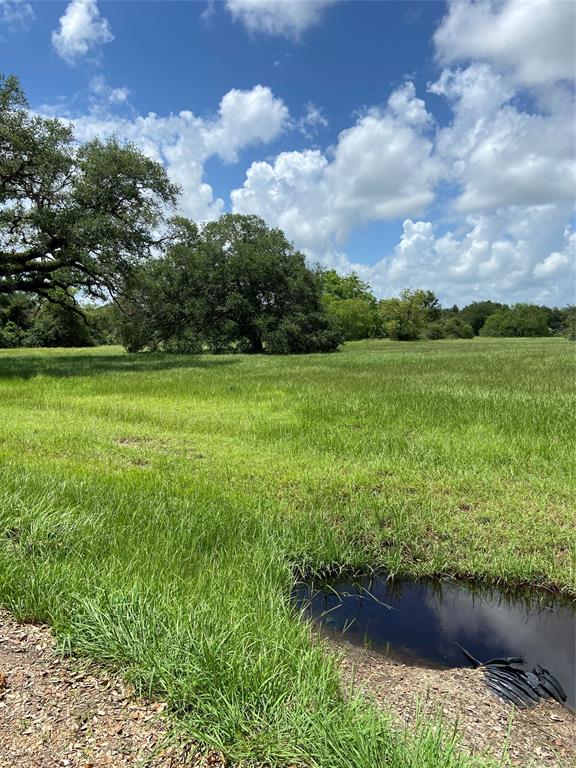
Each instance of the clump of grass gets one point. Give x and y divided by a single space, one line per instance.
421 459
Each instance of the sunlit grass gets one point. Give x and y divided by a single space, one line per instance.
152 509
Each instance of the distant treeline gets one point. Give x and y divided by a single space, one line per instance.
168 312
417 314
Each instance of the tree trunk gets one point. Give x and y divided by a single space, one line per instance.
256 346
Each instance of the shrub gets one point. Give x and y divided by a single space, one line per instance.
522 320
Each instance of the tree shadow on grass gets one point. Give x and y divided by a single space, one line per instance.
27 366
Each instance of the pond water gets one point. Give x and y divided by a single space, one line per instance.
421 621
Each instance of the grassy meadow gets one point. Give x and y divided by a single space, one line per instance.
153 509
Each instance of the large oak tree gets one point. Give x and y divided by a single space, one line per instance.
72 216
232 285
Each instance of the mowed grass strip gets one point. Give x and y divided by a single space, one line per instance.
153 507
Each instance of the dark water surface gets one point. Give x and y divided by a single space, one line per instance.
421 621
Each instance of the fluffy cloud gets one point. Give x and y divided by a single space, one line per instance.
382 167
559 265
82 29
510 180
512 254
184 141
288 18
532 39
246 117
288 194
498 154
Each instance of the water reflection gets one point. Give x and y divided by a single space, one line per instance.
424 620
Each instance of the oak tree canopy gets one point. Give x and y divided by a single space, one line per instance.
72 216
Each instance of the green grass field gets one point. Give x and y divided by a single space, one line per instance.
153 509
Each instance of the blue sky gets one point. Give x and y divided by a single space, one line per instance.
419 143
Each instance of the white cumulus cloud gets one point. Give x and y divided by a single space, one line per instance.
534 40
184 142
509 191
246 117
498 153
558 264
287 18
82 29
512 254
381 168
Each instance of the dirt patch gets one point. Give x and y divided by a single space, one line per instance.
158 446
136 441
542 736
143 441
140 463
57 712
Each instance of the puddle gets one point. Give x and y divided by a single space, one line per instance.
420 622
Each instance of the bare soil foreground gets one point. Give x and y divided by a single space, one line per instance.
542 736
55 712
